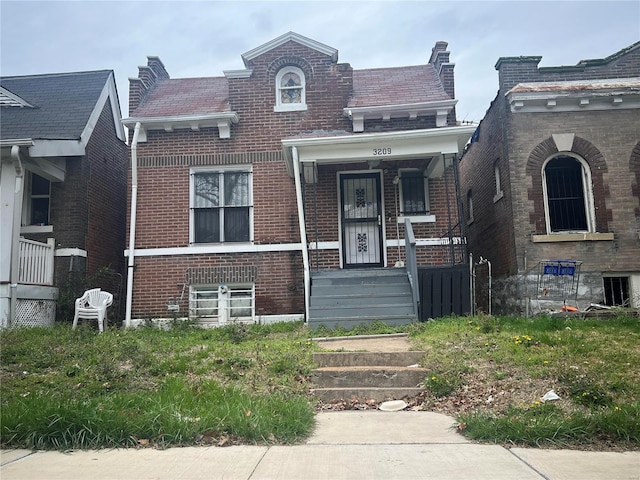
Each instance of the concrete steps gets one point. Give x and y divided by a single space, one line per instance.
348 298
377 376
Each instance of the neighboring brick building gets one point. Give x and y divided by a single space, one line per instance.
63 145
553 172
219 207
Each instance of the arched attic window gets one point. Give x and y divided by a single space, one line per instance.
290 90
568 196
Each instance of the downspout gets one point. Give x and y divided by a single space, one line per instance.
15 237
132 226
303 231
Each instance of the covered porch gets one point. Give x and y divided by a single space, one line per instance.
27 293
361 197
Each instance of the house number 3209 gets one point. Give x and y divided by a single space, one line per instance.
382 151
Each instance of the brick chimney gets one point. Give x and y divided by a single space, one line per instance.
147 76
440 61
515 70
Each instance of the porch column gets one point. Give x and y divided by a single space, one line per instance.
303 230
11 187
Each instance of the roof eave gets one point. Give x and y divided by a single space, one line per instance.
290 36
439 108
221 120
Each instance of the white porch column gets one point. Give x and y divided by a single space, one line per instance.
303 231
11 187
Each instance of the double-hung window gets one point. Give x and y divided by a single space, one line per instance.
37 201
221 206
413 193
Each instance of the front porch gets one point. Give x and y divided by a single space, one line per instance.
370 207
32 300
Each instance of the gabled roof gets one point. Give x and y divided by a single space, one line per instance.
290 37
396 86
371 88
185 96
59 105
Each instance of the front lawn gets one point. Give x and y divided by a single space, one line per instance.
64 389
491 374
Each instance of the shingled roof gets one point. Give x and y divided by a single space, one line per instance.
185 96
396 86
61 104
371 87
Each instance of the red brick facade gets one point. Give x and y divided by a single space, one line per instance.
511 231
167 156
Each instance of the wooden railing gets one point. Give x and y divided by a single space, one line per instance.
412 263
36 262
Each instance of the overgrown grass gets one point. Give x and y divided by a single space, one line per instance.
65 389
592 364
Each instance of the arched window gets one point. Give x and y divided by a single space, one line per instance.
566 182
469 207
290 90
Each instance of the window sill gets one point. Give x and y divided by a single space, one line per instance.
470 221
417 218
290 108
498 196
572 237
36 229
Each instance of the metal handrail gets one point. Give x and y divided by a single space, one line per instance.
412 263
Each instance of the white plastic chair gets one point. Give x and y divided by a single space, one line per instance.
93 305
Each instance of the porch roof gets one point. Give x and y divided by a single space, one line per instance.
338 147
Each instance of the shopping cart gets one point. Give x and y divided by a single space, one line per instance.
558 282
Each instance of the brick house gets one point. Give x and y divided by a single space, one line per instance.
228 171
553 173
62 185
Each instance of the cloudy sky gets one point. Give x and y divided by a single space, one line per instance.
203 38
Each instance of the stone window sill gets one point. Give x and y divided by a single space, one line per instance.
498 196
417 218
572 237
36 229
296 107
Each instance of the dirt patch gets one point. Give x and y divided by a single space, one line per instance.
377 343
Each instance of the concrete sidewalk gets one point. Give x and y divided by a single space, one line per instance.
345 445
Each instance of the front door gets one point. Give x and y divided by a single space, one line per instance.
361 217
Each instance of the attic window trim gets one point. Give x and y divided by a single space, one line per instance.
281 106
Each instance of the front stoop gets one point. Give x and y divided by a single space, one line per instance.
378 376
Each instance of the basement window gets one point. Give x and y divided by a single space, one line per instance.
616 291
222 303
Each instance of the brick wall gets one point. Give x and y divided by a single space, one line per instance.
167 156
520 143
490 235
279 286
106 170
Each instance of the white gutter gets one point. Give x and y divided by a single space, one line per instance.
15 236
303 231
132 226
